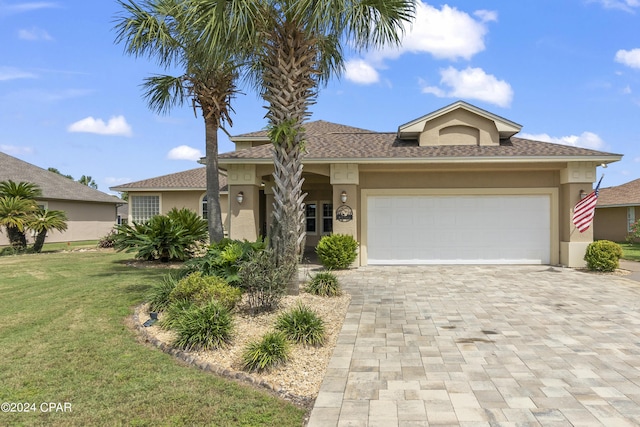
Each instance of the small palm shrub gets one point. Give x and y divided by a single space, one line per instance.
158 295
224 258
174 236
324 284
603 255
301 325
174 312
205 327
272 350
263 281
338 251
200 289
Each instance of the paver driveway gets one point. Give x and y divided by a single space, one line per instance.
484 345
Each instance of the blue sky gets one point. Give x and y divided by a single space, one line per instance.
568 71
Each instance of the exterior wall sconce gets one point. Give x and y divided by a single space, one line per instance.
240 197
343 197
583 194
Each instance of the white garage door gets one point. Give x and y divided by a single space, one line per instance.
458 229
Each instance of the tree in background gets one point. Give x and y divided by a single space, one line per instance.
55 170
88 181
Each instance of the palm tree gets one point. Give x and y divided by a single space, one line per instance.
164 30
43 221
298 47
15 215
88 181
16 207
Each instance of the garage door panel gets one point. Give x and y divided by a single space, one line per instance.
458 229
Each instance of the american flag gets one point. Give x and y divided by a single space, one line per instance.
583 212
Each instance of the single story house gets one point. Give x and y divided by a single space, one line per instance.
453 186
618 208
159 195
91 213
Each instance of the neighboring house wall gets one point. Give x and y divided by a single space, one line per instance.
85 221
612 223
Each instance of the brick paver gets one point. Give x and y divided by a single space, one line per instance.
484 346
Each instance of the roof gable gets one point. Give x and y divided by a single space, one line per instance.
53 185
413 129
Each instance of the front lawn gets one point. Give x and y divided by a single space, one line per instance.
63 339
631 251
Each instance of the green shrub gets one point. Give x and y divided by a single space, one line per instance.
301 325
165 237
158 296
324 284
201 289
634 234
271 351
174 311
338 251
223 259
205 327
603 255
264 281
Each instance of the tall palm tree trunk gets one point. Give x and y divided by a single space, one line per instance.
289 68
214 213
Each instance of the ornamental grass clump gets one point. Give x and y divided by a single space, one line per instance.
205 327
603 255
301 325
271 351
337 251
159 294
324 284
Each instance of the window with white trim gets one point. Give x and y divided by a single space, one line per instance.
205 208
327 218
311 215
144 207
631 218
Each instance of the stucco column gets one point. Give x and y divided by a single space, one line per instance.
244 217
576 177
345 178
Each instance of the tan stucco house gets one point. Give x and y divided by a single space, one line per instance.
91 213
453 186
159 195
617 209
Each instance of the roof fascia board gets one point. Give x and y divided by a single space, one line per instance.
625 205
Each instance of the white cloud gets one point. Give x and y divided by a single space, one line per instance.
584 140
626 5
472 83
34 34
113 181
184 152
359 71
15 150
630 58
445 33
116 125
12 73
6 9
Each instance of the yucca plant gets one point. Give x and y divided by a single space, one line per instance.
301 325
272 350
325 284
205 327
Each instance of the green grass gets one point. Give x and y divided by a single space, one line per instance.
63 338
66 246
631 251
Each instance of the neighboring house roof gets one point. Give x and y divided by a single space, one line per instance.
339 143
622 195
193 179
53 185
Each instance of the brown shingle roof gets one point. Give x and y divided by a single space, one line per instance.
193 179
622 195
317 127
53 186
343 142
